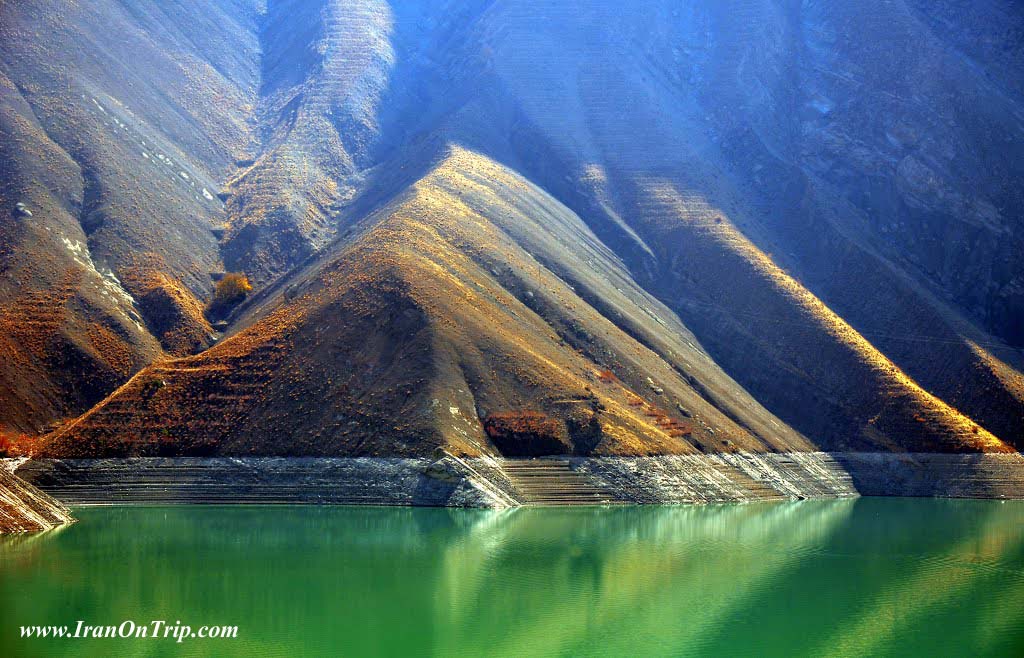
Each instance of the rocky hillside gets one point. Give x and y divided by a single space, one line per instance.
24 508
511 227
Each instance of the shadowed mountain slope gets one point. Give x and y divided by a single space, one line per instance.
458 308
116 122
463 300
517 227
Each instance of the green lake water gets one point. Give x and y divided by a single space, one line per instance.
866 577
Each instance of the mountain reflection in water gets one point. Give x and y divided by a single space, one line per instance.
839 577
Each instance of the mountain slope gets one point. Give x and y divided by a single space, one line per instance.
516 226
440 314
462 305
109 141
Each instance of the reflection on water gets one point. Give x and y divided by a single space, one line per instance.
854 577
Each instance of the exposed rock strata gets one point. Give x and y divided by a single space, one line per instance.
945 476
339 481
24 508
485 482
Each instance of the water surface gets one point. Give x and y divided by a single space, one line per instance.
872 576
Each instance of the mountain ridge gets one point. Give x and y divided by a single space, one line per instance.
701 201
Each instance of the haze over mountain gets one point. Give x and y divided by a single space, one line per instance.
512 226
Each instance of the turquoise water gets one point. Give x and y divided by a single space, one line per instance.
863 577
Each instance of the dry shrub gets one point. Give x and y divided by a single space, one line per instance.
526 433
229 292
231 289
520 421
17 445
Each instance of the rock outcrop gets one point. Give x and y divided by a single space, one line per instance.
496 482
24 508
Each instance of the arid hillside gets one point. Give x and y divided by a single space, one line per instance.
511 227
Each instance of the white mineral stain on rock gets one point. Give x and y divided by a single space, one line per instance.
111 284
79 253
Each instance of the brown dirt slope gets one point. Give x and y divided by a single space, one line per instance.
440 314
117 121
747 224
455 308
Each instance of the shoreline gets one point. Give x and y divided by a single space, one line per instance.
494 482
23 507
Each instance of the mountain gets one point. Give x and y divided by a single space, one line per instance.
516 228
